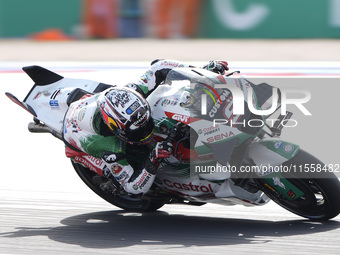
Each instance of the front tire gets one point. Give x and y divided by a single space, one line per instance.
321 199
122 201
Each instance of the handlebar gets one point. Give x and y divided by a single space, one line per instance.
172 134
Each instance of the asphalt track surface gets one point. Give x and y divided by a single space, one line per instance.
46 209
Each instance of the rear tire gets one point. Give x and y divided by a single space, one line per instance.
322 190
122 201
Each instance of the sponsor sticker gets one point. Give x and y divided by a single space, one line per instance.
288 148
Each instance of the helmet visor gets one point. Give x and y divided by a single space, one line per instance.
141 135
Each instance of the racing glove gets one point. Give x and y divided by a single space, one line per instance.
217 66
161 151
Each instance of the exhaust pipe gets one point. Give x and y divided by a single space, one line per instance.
41 128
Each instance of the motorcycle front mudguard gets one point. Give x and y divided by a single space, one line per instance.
272 152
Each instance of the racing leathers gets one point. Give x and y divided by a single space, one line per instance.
86 134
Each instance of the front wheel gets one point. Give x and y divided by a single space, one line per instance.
122 201
321 190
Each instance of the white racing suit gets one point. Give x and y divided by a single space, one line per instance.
85 132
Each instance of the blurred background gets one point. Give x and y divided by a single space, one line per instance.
236 30
114 41
82 19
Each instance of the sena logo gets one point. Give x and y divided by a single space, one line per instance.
220 137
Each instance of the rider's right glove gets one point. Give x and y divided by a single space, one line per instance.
161 151
217 66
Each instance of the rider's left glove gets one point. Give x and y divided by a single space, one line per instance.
217 66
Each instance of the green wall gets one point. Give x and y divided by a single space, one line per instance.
218 18
20 18
270 19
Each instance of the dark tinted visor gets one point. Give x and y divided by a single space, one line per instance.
141 135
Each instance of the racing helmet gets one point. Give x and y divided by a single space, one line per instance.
127 114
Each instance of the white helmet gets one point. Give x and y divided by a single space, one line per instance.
127 114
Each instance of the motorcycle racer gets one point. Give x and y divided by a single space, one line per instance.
102 125
178 178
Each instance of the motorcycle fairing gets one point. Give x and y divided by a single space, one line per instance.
263 93
180 99
223 151
25 106
94 164
198 189
270 153
41 76
50 93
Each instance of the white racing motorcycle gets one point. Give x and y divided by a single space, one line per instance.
218 156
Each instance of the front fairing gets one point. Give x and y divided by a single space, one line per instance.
180 100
